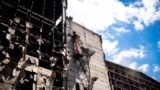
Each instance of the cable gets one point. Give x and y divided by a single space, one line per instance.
17 8
28 27
40 41
54 10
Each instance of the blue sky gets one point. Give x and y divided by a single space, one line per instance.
130 30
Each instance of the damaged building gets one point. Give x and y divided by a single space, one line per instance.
87 69
123 78
32 44
43 49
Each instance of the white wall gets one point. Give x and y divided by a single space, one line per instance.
97 65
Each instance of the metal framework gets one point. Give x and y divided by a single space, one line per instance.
33 48
83 55
122 78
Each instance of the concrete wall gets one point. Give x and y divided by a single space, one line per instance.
97 67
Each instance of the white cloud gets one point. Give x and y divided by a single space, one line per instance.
156 68
100 14
91 14
108 35
158 44
125 57
110 47
146 13
153 77
138 25
120 30
130 57
144 67
133 65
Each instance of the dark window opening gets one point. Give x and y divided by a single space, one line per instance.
77 86
126 86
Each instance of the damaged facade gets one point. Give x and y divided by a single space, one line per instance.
38 51
123 78
33 53
87 69
42 49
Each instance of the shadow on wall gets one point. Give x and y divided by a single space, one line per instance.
79 71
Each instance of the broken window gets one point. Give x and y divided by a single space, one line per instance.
131 82
29 29
118 77
137 84
126 86
124 79
132 88
77 86
112 81
119 84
